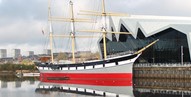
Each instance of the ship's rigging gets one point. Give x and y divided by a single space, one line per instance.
72 19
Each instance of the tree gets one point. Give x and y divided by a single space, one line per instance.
61 56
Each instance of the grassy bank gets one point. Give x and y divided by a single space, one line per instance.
15 67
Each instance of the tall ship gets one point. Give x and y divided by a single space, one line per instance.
117 66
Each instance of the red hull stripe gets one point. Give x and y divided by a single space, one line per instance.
101 79
88 75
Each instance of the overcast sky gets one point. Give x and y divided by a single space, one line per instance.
21 21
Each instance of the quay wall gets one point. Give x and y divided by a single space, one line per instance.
162 70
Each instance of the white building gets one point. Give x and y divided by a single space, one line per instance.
30 53
47 51
16 53
3 53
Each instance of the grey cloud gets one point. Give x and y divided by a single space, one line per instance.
20 21
152 7
24 9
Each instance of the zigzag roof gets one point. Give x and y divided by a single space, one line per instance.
151 25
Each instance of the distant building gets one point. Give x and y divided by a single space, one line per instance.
16 53
30 53
47 52
6 60
83 52
3 53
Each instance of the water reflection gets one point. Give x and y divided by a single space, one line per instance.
15 84
11 86
12 81
94 87
162 87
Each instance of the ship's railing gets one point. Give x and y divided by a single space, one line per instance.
76 67
88 65
80 66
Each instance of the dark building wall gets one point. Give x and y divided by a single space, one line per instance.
167 49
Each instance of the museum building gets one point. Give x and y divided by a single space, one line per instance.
172 32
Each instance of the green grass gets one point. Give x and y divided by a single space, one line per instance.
14 67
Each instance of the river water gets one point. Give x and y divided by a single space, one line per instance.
12 86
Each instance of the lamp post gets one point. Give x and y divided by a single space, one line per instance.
21 70
182 55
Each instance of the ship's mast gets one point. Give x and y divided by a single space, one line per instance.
104 28
72 31
51 44
50 33
72 35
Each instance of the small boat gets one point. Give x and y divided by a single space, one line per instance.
20 75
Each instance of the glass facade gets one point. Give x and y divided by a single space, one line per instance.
166 50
